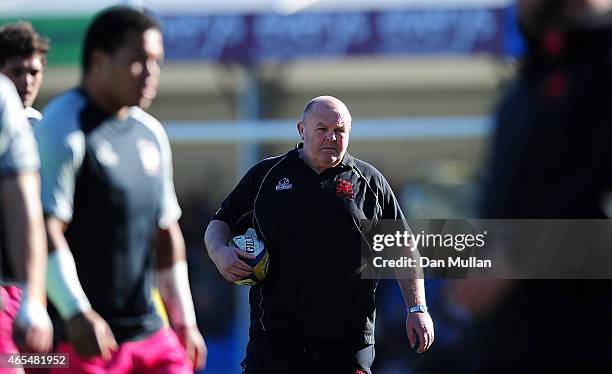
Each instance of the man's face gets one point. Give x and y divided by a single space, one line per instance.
132 72
325 131
27 75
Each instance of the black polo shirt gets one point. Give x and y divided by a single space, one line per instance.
311 225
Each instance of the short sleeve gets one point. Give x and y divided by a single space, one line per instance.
17 146
237 208
61 155
33 115
170 209
390 206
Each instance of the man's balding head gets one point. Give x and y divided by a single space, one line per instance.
329 103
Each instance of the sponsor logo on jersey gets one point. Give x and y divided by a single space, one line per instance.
149 156
106 155
284 184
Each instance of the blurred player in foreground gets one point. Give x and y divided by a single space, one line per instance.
111 210
22 60
23 236
550 159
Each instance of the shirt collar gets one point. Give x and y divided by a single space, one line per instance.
348 161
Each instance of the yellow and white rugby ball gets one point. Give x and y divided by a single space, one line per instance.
249 243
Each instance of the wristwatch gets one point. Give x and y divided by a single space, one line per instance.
419 308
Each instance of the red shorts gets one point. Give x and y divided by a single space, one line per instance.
11 299
159 353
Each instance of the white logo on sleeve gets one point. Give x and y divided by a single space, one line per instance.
284 184
149 155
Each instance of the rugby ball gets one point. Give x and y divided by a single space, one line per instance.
249 243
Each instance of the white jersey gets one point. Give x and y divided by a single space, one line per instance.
18 151
33 115
17 146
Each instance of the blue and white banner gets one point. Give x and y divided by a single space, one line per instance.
256 38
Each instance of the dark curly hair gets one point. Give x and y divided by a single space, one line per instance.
20 40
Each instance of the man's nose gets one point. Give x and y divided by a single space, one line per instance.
152 67
330 136
29 80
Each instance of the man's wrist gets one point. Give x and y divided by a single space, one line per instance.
418 308
32 312
63 286
173 286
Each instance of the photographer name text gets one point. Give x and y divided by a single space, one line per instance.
425 262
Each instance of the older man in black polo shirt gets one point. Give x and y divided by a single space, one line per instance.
313 313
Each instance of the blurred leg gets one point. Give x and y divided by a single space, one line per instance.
160 353
120 362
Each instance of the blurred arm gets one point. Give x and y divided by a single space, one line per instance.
25 232
173 285
172 277
88 332
26 248
63 285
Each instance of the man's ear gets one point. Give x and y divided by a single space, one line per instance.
100 61
300 128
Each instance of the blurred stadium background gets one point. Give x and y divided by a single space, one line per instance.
420 76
